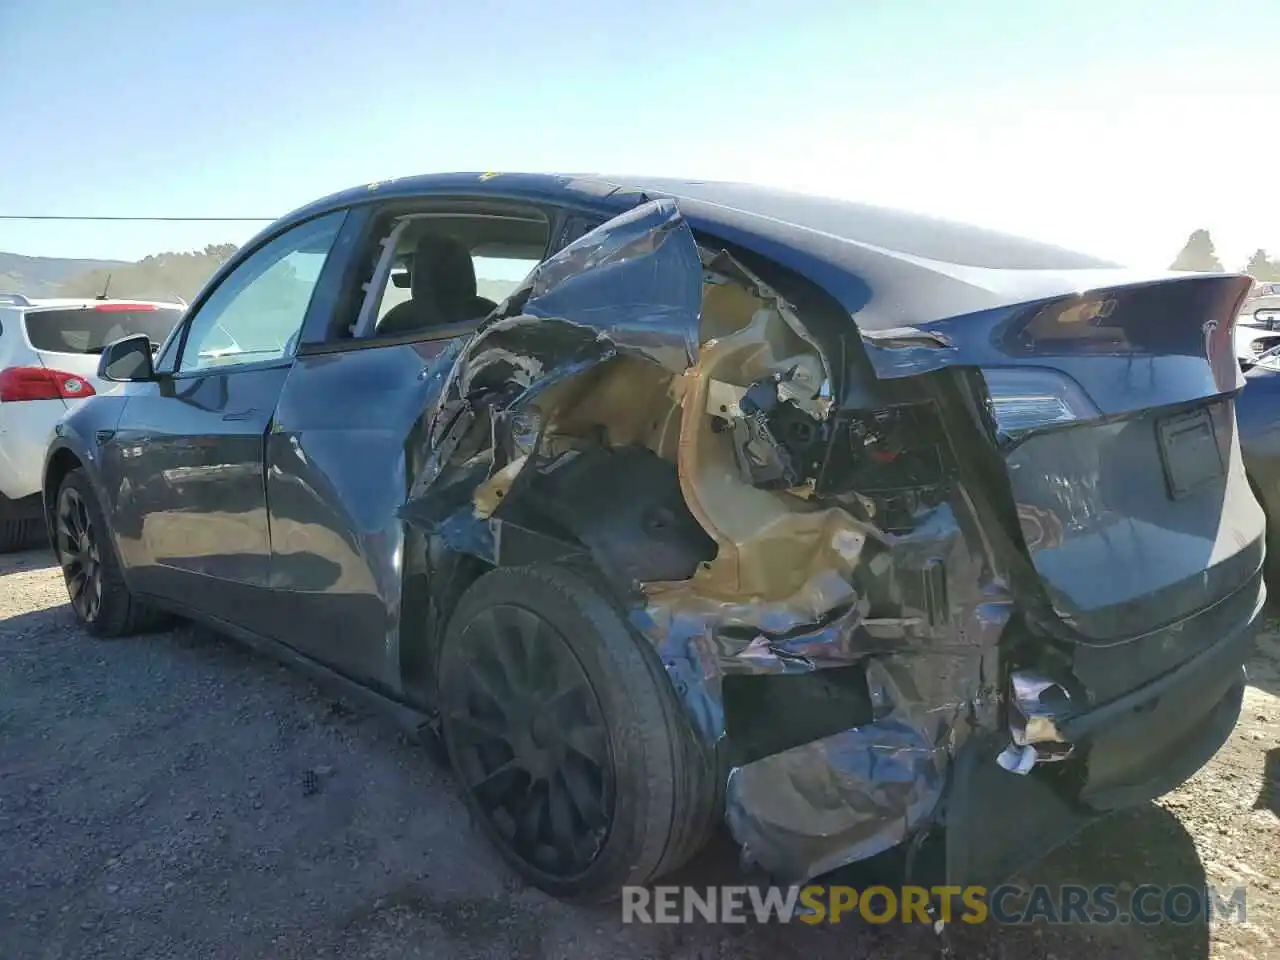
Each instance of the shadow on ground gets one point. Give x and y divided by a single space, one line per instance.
1130 849
1264 667
391 862
1269 795
24 560
1144 846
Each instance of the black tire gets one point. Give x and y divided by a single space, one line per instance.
664 797
90 565
20 534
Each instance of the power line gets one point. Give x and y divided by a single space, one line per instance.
33 216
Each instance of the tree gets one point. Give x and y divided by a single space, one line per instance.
160 276
1261 267
1198 254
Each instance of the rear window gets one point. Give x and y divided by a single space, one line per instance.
89 329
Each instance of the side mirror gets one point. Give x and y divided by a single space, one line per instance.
127 360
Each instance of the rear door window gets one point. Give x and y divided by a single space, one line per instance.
89 329
502 248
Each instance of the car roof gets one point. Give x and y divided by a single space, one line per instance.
48 303
723 204
853 252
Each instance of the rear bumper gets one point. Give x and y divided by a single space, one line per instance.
1135 748
1145 744
25 431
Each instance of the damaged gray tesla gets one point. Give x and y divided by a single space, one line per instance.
672 503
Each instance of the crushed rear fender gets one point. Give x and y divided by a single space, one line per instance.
808 552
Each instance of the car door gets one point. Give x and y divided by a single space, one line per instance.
340 454
191 444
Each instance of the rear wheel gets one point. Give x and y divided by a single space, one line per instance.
95 582
563 729
19 534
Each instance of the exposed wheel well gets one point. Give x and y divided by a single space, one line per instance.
62 463
426 604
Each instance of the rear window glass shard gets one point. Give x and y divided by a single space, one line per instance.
637 279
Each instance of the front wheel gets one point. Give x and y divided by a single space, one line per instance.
571 748
99 596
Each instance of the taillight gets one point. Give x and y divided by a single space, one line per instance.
41 383
1024 399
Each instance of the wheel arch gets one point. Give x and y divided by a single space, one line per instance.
430 591
1272 563
60 462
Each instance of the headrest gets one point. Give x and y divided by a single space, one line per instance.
443 274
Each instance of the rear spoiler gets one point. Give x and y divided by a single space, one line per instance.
16 299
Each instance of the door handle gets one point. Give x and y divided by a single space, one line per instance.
239 415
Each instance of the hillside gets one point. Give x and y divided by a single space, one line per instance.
42 276
161 276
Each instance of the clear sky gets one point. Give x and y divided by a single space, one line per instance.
1113 126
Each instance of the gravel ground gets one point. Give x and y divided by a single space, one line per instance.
175 795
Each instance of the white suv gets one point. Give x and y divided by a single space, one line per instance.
48 360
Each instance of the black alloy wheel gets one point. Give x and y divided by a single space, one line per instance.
96 585
530 740
575 755
76 540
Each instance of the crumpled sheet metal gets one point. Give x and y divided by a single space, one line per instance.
1038 703
638 281
726 265
847 797
812 808
825 804
634 288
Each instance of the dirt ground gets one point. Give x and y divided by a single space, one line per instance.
175 795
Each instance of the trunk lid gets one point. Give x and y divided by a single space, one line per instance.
1114 409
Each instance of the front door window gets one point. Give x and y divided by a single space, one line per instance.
256 312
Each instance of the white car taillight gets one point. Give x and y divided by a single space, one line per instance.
1024 399
40 383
